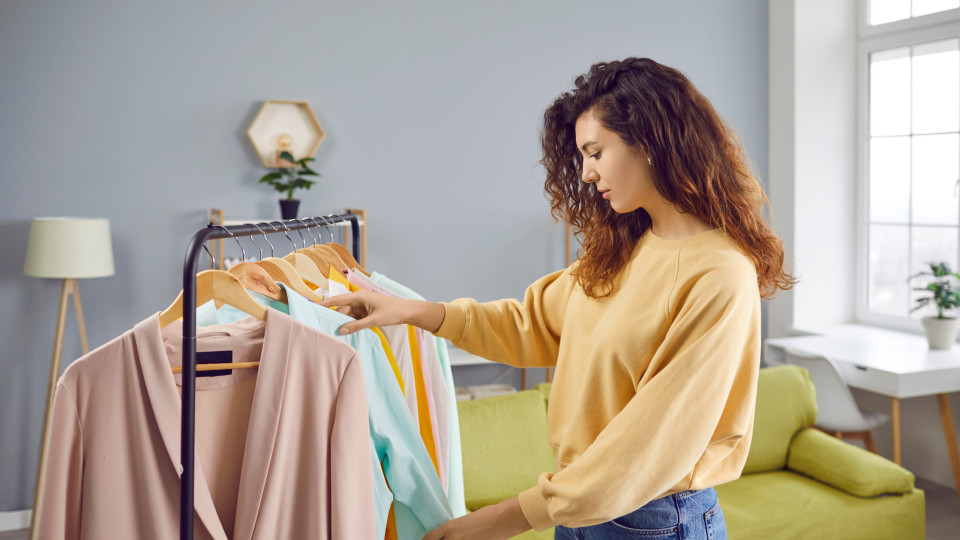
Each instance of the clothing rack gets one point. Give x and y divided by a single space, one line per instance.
187 413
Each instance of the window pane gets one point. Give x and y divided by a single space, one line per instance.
930 244
923 7
884 11
935 172
936 87
890 92
888 287
890 179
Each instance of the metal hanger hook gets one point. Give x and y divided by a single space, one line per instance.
243 252
213 260
326 225
267 240
300 232
310 229
320 221
252 241
285 229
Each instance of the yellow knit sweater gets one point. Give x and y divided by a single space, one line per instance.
655 384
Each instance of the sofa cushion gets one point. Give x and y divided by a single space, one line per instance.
785 505
786 402
845 466
504 444
544 388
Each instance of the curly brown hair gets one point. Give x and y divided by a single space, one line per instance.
699 165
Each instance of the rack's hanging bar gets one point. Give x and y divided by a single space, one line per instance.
189 377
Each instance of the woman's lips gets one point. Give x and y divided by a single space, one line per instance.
605 194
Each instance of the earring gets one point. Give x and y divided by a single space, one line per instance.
649 161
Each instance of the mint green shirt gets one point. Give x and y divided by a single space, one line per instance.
420 504
455 473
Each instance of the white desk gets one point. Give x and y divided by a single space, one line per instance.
886 362
459 357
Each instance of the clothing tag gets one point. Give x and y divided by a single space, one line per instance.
214 357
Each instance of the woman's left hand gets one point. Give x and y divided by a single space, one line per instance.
497 521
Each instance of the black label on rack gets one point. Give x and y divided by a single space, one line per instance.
214 357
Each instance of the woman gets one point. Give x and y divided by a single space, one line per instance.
654 331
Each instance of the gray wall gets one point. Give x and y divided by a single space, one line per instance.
138 111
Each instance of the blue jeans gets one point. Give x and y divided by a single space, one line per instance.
682 516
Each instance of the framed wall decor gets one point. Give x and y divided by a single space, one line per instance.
284 125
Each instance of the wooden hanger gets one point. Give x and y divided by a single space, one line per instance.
225 287
318 259
284 272
347 257
255 278
307 269
331 256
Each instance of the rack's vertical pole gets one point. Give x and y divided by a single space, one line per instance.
355 236
188 384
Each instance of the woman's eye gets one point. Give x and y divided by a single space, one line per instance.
595 156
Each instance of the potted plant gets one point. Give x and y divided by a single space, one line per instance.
288 178
941 330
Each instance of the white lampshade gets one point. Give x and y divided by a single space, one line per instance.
68 247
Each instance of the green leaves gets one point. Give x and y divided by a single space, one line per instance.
288 179
270 177
945 296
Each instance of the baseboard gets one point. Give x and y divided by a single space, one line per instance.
15 521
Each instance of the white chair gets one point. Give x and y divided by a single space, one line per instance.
837 411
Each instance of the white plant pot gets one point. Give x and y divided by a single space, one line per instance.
941 333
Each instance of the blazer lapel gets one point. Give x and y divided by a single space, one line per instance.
166 404
264 422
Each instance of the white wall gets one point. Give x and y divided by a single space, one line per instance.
813 158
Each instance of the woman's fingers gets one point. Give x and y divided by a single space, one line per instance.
359 305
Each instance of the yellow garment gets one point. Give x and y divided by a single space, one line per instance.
655 384
390 356
426 427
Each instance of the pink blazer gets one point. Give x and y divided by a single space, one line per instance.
113 461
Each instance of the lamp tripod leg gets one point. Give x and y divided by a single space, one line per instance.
79 310
51 389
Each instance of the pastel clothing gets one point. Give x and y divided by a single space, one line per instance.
420 406
455 457
435 387
419 502
282 451
655 383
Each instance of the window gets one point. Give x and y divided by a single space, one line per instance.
911 144
885 11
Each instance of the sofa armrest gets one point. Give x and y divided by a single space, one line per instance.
844 466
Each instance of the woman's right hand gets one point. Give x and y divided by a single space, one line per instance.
374 309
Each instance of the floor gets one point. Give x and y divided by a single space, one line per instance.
943 511
943 514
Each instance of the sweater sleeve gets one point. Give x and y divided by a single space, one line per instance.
61 486
689 424
522 334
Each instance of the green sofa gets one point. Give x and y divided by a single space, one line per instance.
798 482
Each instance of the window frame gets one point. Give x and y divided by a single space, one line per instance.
904 33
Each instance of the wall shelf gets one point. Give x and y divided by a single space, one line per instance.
294 120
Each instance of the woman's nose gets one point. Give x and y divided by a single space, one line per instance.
589 176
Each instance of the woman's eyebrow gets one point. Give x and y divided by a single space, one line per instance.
586 144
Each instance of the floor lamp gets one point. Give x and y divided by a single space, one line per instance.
68 249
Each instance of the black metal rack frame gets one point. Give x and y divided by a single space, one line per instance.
188 410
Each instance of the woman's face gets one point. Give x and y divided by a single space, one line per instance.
621 174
